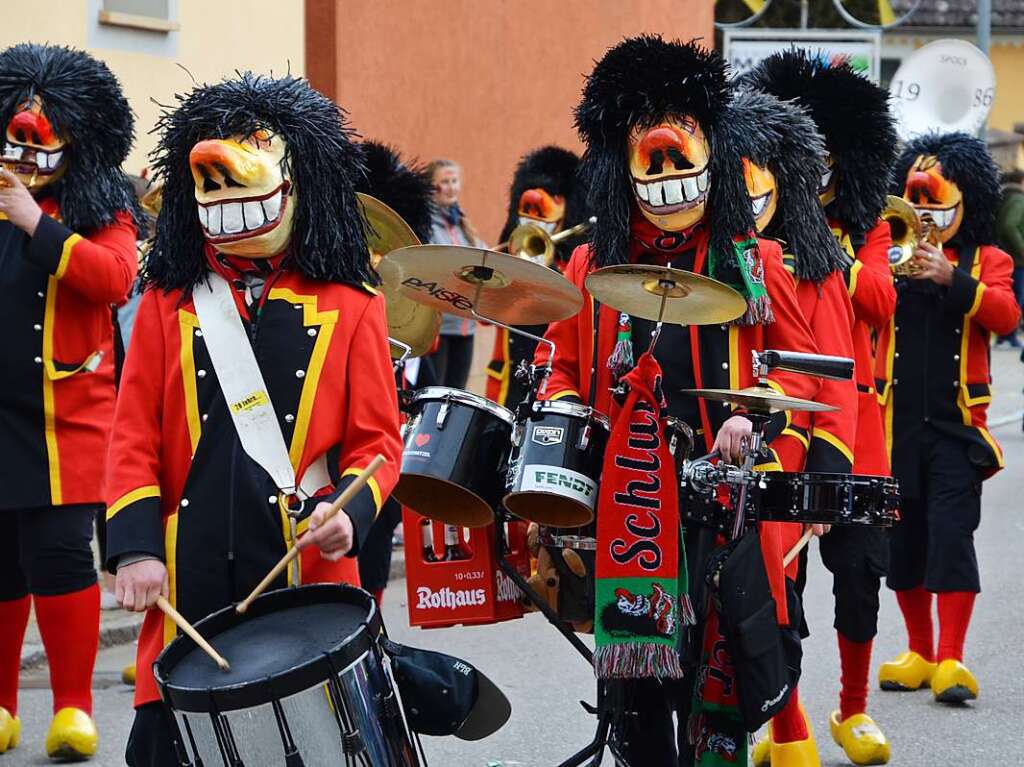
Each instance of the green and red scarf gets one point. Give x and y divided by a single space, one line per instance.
641 602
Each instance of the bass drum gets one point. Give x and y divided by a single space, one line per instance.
554 472
573 550
456 456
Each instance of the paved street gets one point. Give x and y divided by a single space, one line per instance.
544 678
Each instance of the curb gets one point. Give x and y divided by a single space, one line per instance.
34 655
1007 419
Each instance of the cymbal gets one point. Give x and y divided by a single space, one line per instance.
692 299
410 323
760 399
512 290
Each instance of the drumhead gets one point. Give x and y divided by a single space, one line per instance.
437 393
571 409
288 641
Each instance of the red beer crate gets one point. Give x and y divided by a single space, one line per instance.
452 573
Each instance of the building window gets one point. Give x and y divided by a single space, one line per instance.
150 15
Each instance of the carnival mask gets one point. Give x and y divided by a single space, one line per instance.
33 150
669 163
244 198
828 183
763 192
538 207
935 196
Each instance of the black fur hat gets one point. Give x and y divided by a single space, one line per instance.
403 187
555 170
852 113
639 82
328 242
967 163
781 137
84 103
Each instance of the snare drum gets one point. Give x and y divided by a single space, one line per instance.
307 685
831 499
456 456
554 472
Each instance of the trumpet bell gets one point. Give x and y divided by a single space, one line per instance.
905 229
532 242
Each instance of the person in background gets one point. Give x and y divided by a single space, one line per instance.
1010 236
450 226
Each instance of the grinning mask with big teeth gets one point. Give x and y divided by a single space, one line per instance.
33 149
829 181
669 163
933 194
541 209
763 191
244 198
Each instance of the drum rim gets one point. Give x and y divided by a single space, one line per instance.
463 397
306 675
572 409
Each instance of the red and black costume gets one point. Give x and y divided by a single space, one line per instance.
57 380
852 115
634 87
180 486
934 384
545 184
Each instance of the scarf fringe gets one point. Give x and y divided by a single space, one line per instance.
621 360
759 312
635 661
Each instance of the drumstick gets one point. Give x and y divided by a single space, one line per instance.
189 629
346 496
795 551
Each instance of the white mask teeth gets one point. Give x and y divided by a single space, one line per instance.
252 212
41 160
654 192
54 159
272 206
204 216
213 225
690 189
641 191
826 179
14 152
702 181
231 218
672 190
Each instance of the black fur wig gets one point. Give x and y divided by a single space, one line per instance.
967 163
555 170
323 162
403 187
781 137
852 113
83 101
639 82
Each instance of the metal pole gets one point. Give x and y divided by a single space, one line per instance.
805 11
984 25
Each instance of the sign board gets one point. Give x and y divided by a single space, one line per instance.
746 48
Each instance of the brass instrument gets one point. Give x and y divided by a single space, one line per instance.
532 242
908 231
11 163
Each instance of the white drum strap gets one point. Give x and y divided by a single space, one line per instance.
246 393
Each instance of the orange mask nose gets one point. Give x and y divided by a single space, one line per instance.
923 187
31 128
664 149
226 163
537 203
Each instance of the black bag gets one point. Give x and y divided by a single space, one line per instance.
766 656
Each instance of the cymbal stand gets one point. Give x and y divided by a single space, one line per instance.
399 363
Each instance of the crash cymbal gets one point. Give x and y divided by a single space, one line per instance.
760 399
692 299
410 323
513 290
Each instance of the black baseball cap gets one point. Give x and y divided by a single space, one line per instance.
445 695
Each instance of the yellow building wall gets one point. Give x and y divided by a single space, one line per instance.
215 38
1008 61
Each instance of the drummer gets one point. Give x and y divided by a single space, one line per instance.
656 159
270 168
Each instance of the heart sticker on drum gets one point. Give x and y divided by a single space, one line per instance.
548 435
422 439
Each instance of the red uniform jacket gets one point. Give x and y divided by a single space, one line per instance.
870 284
57 380
179 485
933 359
721 359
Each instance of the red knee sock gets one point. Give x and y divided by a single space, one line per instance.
855 663
70 627
789 724
955 609
13 620
916 606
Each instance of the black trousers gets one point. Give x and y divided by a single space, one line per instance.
452 361
375 551
933 543
652 732
151 742
46 551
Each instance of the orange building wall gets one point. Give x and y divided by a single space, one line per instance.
477 81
